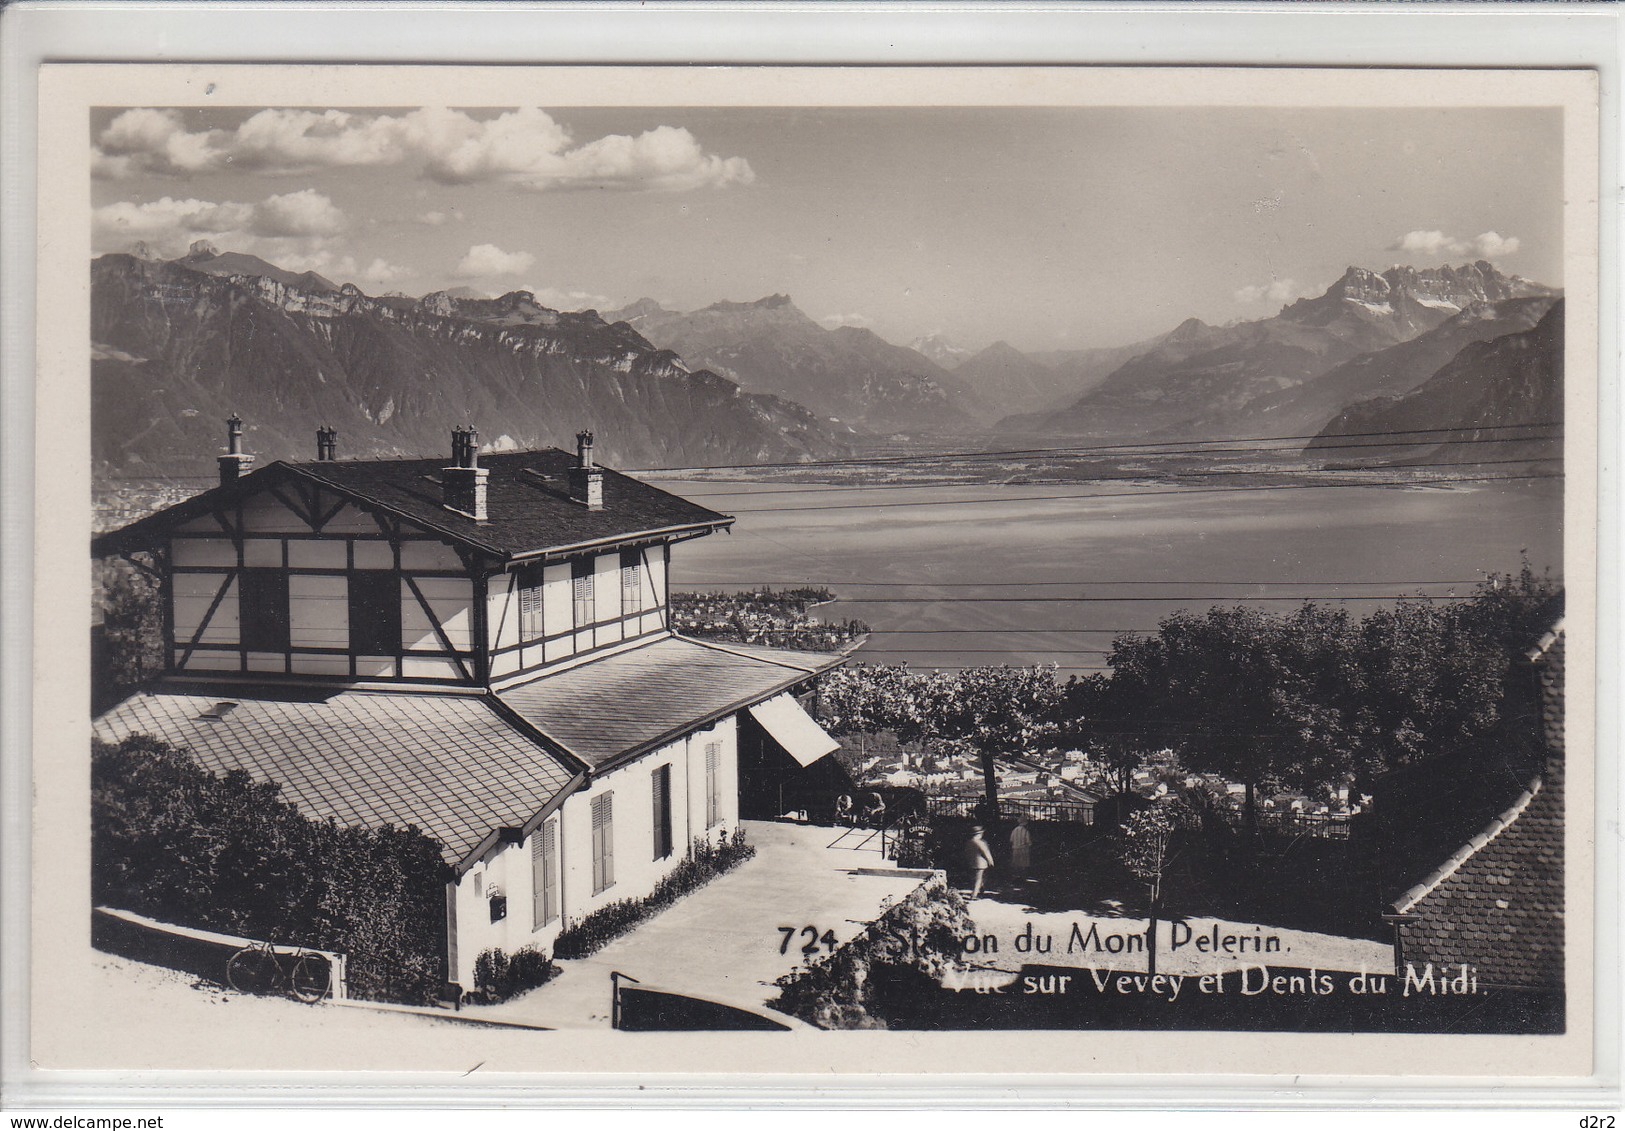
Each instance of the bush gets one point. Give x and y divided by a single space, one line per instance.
226 853
499 976
921 934
705 862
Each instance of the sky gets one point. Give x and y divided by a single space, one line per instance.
1048 228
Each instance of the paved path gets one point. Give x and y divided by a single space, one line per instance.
723 942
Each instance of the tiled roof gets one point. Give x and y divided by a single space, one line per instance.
1497 903
528 505
451 765
630 702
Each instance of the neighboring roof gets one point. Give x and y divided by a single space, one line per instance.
627 703
1497 903
528 504
451 765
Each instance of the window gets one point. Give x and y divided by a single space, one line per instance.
544 868
581 572
262 603
631 582
713 783
375 612
662 813
530 603
603 842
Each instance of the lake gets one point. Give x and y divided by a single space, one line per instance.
950 576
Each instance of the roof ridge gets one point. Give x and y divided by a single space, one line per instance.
720 647
1414 895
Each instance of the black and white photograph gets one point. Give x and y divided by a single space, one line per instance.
855 561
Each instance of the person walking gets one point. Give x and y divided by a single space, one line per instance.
1021 849
978 858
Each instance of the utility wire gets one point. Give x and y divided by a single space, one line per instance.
1146 494
1142 447
1029 584
1106 477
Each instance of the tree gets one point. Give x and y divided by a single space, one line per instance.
992 711
866 698
132 631
1147 847
1255 697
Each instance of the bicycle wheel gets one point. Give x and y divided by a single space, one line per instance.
312 978
253 971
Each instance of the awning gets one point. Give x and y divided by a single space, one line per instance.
794 729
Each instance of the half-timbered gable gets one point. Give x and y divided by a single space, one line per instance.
373 570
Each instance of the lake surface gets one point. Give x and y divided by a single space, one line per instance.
955 576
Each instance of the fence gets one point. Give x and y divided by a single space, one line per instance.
1032 808
1332 826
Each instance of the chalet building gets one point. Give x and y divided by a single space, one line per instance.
1493 899
477 647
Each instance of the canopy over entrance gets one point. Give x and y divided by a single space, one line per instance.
793 729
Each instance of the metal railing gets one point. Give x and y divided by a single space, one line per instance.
1032 808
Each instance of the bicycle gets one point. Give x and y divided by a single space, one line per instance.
259 969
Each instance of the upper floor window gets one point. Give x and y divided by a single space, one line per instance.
631 582
531 625
262 603
375 612
581 573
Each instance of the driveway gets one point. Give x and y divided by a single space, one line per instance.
724 942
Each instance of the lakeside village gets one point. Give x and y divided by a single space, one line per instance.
1043 783
442 729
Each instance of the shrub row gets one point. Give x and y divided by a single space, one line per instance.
921 933
225 853
705 862
499 976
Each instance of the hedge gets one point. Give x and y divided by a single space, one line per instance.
225 853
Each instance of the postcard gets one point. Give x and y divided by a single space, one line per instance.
1057 571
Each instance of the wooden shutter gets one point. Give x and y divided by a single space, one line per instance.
581 571
631 582
530 603
713 783
603 842
660 787
544 865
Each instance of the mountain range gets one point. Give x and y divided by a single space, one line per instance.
1502 396
1201 380
847 374
177 346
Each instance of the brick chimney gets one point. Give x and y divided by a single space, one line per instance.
236 461
586 477
463 483
327 444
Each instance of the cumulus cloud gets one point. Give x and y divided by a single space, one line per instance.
303 213
525 147
290 223
1434 244
834 321
1275 291
486 259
